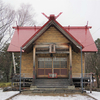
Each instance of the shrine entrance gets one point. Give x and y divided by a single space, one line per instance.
52 65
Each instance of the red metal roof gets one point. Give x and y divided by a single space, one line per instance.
20 37
81 35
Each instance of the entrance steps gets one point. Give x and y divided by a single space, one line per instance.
54 90
52 83
52 86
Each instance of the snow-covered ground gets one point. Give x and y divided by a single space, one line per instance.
5 95
37 97
94 94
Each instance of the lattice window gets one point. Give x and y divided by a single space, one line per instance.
63 62
48 63
56 62
40 62
60 62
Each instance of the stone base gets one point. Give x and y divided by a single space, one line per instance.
33 87
71 87
55 90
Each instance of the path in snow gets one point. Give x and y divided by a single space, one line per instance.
94 94
5 95
37 97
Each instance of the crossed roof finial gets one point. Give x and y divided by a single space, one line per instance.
52 16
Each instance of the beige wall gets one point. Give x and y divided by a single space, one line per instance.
52 35
27 64
76 62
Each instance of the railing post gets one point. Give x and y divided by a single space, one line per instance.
20 68
90 83
80 47
24 79
81 70
34 73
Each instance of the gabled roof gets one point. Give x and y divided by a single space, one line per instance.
51 22
79 36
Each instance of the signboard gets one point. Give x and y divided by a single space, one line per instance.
52 75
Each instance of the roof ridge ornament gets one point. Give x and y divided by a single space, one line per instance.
52 16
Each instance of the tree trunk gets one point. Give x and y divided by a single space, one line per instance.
97 79
10 72
7 76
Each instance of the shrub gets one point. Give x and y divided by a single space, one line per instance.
5 84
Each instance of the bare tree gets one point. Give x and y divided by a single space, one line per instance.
25 15
7 16
93 62
5 63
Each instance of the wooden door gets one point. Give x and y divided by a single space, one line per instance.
44 67
60 66
52 64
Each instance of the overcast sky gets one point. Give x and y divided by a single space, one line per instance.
75 12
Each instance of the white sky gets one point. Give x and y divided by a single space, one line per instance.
75 12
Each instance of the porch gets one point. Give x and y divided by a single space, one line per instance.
52 60
26 81
52 63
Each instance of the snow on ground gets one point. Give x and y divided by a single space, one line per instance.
5 95
37 97
94 94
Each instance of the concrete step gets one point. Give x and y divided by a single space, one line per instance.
51 86
52 80
55 90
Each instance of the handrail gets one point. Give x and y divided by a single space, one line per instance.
85 75
23 75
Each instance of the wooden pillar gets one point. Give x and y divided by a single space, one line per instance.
70 71
34 74
52 66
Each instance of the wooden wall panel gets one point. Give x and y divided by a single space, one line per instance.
57 71
64 72
48 71
40 71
